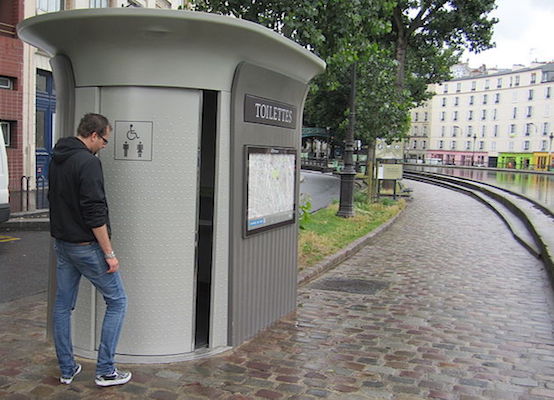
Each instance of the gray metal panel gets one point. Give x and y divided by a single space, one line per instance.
264 265
144 46
154 216
65 115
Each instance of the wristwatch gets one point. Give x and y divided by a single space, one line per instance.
109 255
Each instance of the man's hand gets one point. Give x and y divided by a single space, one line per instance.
113 264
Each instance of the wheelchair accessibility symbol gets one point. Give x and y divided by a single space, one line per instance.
133 140
132 134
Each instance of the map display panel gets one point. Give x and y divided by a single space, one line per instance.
271 183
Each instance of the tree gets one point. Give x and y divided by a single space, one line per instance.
434 33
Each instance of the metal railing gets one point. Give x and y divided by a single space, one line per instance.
40 200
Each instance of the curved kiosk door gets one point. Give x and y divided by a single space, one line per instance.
150 167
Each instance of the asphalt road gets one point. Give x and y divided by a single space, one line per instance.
23 264
322 188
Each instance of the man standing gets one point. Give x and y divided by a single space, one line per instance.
80 224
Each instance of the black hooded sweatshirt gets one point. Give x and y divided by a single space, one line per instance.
76 192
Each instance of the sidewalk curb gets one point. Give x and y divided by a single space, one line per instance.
25 224
307 275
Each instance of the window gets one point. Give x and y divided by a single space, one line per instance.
453 145
485 98
424 144
526 145
543 145
517 80
487 83
443 131
416 130
473 85
530 97
493 146
445 89
6 82
98 4
528 129
529 111
514 112
545 128
416 117
470 100
454 132
424 130
497 98
444 101
496 131
456 101
415 144
442 115
547 92
484 115
481 145
455 116
511 146
499 83
483 131
513 129
458 87
441 144
470 115
511 81
468 145
426 116
49 5
6 129
469 131
494 114
533 77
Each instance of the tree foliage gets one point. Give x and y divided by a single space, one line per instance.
398 46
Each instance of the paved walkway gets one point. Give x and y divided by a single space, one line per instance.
459 311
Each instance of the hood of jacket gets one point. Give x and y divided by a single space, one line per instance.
67 147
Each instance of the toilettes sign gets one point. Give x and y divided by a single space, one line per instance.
269 112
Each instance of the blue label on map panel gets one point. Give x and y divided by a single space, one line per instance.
256 222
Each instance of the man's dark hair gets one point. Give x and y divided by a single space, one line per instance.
93 123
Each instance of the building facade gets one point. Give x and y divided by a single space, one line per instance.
494 118
27 89
12 87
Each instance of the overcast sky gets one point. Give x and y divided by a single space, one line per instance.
524 33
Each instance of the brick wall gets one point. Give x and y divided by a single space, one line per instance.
11 101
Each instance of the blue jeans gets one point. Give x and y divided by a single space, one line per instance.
74 260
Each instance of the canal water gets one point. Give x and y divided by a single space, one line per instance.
537 186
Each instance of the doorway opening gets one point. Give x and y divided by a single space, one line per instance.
204 248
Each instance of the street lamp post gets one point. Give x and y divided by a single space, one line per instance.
348 174
473 153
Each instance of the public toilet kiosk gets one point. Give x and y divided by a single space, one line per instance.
201 171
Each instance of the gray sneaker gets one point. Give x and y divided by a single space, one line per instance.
68 379
115 378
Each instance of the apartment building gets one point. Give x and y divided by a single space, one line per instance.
27 89
494 118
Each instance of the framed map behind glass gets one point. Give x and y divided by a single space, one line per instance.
270 188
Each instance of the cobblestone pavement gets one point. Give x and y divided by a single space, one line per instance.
459 310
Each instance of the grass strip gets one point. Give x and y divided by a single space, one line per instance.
324 233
